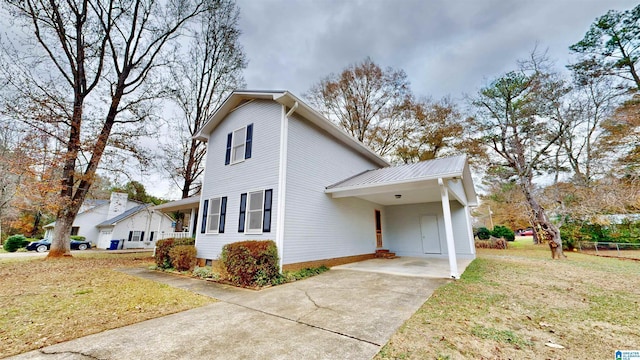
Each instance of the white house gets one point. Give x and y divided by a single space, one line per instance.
132 222
278 170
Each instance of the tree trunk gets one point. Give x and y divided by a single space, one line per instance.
543 228
62 230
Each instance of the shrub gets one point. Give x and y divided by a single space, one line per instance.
162 257
15 242
500 231
183 257
78 238
483 233
492 243
250 263
205 272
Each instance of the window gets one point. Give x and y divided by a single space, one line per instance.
75 230
239 144
255 212
213 215
136 236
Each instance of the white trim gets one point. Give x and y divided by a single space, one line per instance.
448 229
282 185
246 213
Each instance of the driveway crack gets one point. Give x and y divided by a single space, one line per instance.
70 352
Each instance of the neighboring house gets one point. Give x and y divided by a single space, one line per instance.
119 218
278 170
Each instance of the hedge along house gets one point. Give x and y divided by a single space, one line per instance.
278 170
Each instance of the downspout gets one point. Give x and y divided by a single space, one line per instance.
282 181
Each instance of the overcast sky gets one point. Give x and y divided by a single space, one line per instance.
446 47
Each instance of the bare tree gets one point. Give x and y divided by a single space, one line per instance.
86 43
202 75
368 102
519 118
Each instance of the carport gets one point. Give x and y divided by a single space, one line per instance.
424 207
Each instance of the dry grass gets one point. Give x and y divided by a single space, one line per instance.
44 302
510 303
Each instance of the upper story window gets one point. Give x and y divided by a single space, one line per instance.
239 144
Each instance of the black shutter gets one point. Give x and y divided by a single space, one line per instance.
266 219
203 227
142 236
223 213
151 237
130 235
227 156
243 210
247 148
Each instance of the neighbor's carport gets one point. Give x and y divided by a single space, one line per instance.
410 195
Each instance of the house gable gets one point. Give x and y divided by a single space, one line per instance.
233 185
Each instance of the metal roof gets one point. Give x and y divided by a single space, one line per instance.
425 170
124 215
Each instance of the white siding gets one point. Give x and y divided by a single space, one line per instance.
260 172
403 234
87 221
143 221
318 226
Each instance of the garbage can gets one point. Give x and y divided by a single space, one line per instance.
114 244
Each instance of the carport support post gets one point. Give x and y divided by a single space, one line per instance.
448 229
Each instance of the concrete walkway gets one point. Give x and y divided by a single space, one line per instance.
340 314
408 266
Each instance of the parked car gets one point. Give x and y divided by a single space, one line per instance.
45 244
526 232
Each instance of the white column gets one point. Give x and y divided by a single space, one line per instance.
472 243
193 222
448 229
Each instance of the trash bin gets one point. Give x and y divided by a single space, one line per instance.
114 244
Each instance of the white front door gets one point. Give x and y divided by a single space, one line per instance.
430 234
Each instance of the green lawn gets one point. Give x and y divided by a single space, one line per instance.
509 304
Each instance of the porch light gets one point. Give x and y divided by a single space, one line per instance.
398 196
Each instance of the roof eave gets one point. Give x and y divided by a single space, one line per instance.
449 175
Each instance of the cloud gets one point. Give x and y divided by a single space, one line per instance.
446 47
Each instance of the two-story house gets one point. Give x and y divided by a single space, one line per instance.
278 170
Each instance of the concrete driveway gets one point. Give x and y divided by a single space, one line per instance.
341 314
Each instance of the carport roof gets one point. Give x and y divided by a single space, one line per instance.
415 182
425 170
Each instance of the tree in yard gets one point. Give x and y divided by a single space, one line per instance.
519 118
105 49
622 137
368 102
611 47
433 129
137 192
582 145
202 75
